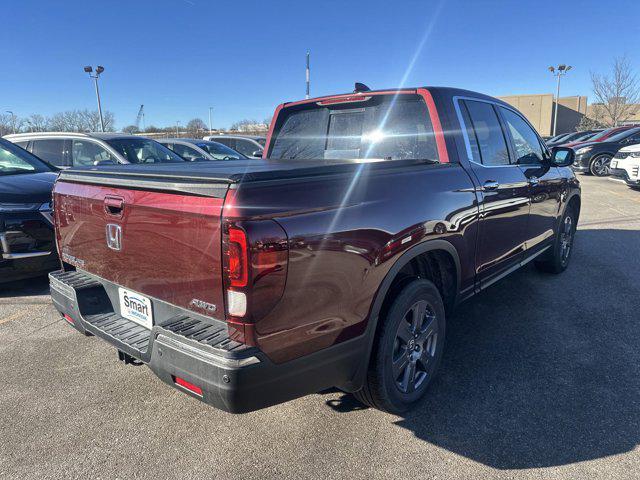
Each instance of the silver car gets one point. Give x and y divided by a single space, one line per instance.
194 150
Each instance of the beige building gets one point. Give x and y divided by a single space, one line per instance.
598 113
539 110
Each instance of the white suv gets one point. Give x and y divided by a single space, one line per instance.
67 149
625 165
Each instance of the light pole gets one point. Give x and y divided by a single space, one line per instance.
210 127
308 74
558 72
13 120
177 131
99 70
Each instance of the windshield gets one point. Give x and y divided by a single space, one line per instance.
143 150
380 127
585 136
14 160
220 152
623 134
602 134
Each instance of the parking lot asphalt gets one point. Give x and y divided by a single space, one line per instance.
540 379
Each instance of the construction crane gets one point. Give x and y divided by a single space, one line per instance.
140 118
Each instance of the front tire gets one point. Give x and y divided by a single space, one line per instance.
600 165
557 259
407 350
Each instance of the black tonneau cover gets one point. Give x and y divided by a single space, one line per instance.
213 178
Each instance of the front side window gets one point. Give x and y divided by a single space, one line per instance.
525 141
188 153
14 160
49 150
488 135
384 127
143 150
87 153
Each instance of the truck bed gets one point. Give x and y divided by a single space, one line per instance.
213 178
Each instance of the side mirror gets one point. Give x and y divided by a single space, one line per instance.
562 156
257 153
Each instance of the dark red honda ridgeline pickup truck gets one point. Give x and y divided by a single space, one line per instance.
333 262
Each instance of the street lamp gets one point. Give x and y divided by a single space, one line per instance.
210 128
558 72
13 120
99 70
177 131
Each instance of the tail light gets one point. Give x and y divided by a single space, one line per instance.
255 257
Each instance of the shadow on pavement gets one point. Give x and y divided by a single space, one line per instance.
25 288
543 370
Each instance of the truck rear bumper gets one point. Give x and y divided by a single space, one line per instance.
195 355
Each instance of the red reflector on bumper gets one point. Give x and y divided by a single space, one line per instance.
189 386
69 319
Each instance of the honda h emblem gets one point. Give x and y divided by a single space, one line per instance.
114 236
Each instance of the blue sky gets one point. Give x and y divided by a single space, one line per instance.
178 57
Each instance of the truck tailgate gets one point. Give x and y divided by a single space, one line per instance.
163 245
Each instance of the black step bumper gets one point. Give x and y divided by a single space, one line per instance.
184 346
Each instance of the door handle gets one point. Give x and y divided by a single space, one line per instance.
113 205
490 185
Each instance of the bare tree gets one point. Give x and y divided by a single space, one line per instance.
250 126
130 129
618 93
36 123
196 126
5 124
10 123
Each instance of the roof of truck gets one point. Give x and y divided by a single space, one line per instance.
446 92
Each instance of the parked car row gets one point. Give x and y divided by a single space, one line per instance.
64 149
594 150
29 166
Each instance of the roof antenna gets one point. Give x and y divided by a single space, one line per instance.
361 87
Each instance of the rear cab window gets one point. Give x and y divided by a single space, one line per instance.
376 127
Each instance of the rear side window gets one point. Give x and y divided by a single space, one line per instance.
488 134
246 147
382 127
229 142
49 150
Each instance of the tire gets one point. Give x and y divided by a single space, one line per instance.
401 341
557 260
600 165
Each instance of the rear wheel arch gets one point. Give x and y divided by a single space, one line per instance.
433 257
